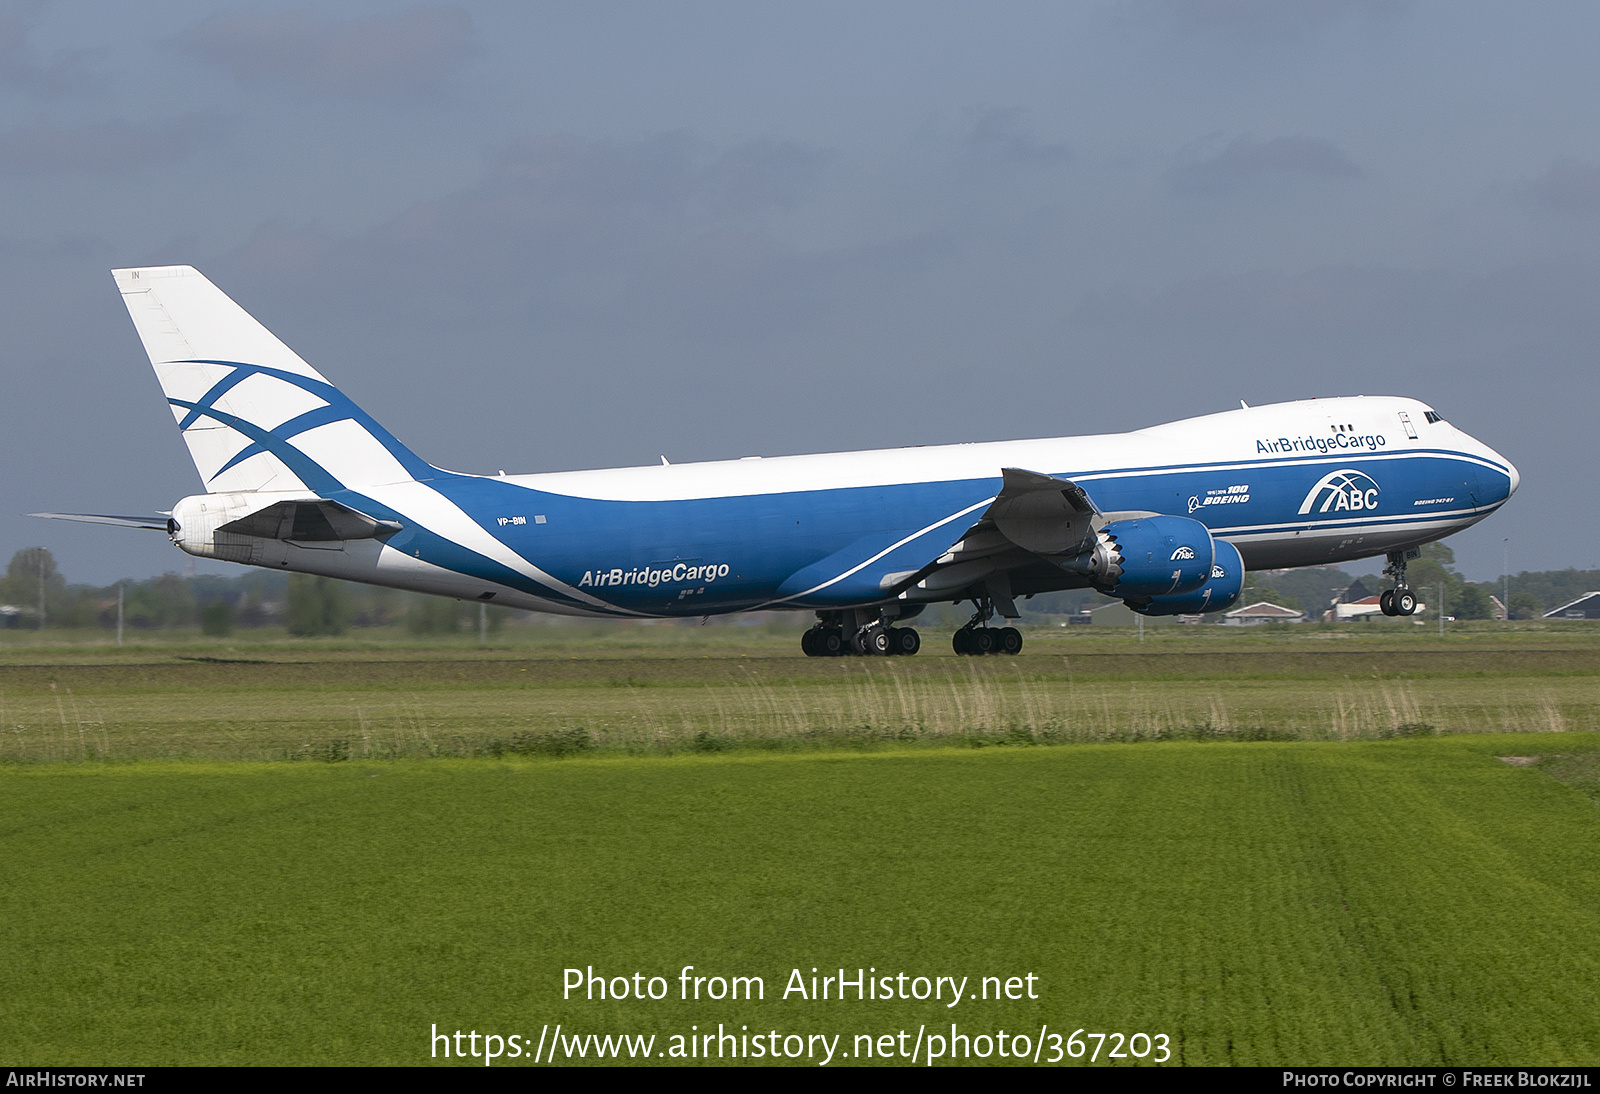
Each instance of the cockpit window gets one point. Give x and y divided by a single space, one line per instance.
1433 417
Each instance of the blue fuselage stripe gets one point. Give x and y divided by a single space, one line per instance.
707 555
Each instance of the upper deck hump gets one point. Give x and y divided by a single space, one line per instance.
1226 436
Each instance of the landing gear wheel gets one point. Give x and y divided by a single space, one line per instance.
874 640
829 642
808 643
984 641
1010 640
1399 600
961 642
904 641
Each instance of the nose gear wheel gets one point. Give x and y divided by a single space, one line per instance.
1399 600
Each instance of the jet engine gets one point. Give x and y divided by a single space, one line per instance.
1151 556
1218 594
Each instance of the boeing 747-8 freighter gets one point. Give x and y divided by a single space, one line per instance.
1166 519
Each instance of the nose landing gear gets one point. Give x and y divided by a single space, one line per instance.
1399 600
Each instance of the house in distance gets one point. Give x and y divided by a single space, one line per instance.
1262 612
1586 606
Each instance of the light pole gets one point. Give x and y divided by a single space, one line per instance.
1505 575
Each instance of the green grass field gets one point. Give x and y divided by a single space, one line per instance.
638 691
1211 856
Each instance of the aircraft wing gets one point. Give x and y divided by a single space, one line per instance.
1033 515
1043 514
1034 518
872 566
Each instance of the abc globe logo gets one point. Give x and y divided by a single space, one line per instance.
1342 491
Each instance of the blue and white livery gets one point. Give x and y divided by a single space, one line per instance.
298 477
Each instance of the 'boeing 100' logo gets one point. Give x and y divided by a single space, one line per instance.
1340 492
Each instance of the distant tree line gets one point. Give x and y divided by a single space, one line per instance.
310 606
302 604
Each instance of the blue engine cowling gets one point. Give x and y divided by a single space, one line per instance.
1218 594
1152 556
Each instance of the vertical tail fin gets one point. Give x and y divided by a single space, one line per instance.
254 415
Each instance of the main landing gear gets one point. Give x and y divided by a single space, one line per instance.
835 635
854 633
1399 600
978 638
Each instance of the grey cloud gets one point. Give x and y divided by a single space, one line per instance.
768 174
103 147
568 229
1271 19
591 299
408 53
72 248
1570 186
1246 162
22 69
1000 133
1351 304
570 180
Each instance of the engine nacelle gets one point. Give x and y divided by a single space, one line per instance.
1151 556
1218 594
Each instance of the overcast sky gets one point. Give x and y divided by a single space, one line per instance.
549 236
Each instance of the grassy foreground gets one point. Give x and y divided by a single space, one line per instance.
1408 901
342 701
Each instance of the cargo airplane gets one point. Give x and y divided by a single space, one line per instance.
1165 519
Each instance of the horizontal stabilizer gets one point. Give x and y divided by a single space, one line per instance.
310 522
154 524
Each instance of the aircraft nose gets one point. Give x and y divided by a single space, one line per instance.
1513 476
